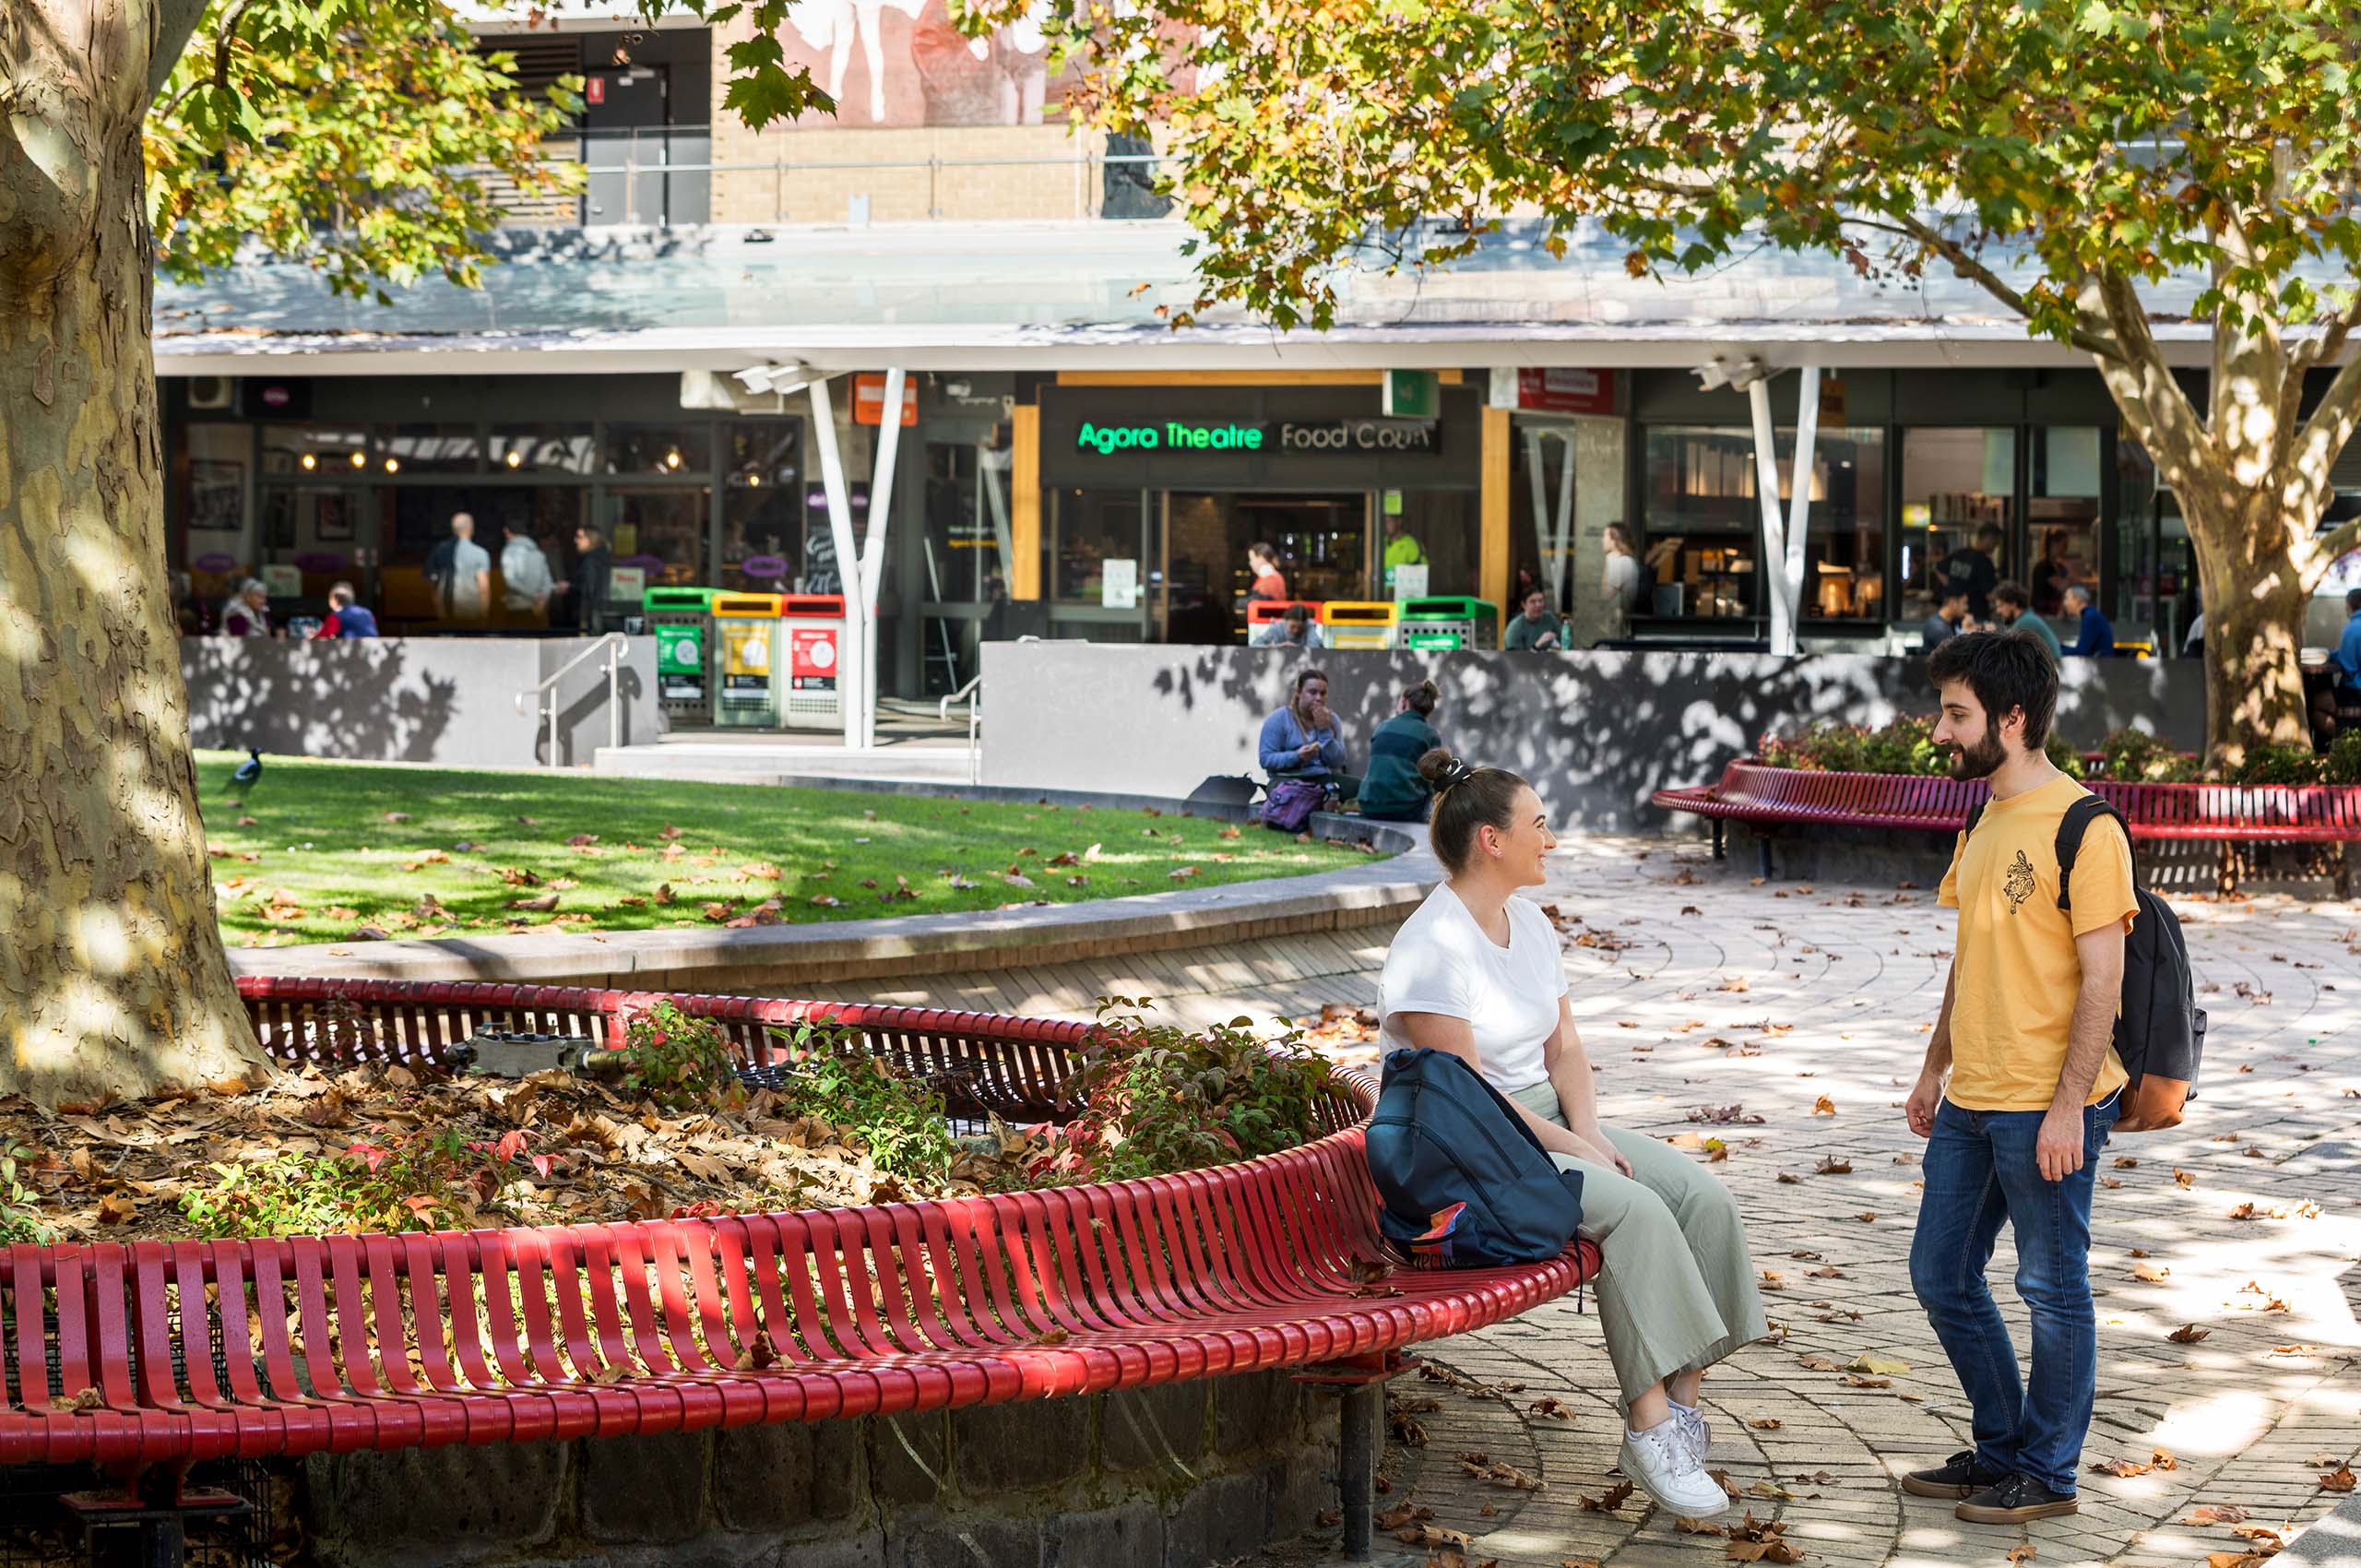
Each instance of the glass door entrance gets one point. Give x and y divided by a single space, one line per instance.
1322 542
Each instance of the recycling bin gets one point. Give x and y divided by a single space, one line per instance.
1350 622
745 652
681 620
811 638
1448 622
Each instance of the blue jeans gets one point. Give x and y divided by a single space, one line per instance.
1981 1171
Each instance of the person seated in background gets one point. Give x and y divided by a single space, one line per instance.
1535 628
1394 789
247 614
2347 656
1949 620
2013 610
345 618
1972 567
1303 738
1296 628
2097 637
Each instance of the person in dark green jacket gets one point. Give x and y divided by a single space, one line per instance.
1392 789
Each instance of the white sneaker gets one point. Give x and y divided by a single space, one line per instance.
1662 1462
1693 1424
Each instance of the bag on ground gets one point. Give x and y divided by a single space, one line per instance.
1291 802
1465 1183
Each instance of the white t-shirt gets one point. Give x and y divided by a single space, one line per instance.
1624 582
1442 962
467 598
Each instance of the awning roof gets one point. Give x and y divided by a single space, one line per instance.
1050 296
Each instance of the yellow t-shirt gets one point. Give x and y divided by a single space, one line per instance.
2016 972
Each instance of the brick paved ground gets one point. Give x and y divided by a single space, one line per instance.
1696 988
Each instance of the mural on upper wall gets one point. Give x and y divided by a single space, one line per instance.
902 62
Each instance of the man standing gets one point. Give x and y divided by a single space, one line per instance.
1974 570
585 588
2347 656
2096 639
1949 619
2012 609
2026 1039
1401 549
466 590
525 579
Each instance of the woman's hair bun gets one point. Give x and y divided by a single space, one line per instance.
1442 770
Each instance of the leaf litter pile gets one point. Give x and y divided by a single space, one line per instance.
394 1148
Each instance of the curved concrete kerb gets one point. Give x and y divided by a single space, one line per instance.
773 957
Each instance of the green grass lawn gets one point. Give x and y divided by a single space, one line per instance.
330 851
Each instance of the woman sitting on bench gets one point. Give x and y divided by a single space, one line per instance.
1477 971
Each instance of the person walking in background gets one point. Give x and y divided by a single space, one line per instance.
525 579
1949 620
1620 583
2096 638
2019 1088
1262 563
1392 789
463 587
345 618
1477 971
1295 628
1535 629
2013 610
585 588
246 613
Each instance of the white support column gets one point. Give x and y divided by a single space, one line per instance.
1791 576
873 550
1775 543
851 656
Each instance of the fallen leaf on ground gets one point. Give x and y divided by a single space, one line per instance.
1614 1498
2022 1554
1831 1166
2338 1480
2187 1334
2217 1513
1823 1106
1883 1366
2122 1469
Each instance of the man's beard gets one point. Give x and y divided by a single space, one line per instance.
1981 760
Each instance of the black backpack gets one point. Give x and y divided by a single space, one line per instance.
2159 1029
1465 1184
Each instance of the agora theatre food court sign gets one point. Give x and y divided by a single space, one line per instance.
1289 436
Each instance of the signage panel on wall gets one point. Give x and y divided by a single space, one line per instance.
1563 390
1119 584
811 658
1362 436
869 399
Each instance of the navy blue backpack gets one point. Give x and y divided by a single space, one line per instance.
1465 1184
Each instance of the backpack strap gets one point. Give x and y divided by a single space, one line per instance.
2070 828
1975 814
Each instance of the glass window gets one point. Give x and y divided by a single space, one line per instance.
430 449
217 544
683 449
966 519
1096 526
328 452
543 448
2063 512
661 530
1443 524
1959 486
1702 523
762 509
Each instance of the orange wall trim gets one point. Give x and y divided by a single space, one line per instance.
1025 503
1492 553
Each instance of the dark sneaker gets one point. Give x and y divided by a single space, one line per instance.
1955 1480
2014 1500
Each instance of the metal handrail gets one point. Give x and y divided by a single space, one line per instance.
614 645
974 692
942 708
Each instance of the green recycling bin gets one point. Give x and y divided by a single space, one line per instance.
1448 623
681 620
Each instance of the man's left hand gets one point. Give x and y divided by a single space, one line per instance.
2058 1149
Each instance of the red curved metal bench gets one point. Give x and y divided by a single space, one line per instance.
161 1353
1767 797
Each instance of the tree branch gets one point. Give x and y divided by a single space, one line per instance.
2319 350
2163 417
176 21
2325 435
2334 546
222 38
1971 267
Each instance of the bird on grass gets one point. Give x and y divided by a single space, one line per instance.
249 772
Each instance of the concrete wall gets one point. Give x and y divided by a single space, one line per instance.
1594 732
450 700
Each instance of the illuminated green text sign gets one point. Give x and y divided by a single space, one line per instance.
1179 435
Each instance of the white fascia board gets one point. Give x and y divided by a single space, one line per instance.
980 347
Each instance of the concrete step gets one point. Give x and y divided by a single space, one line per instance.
776 762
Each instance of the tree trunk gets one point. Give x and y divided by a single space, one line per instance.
2254 600
112 976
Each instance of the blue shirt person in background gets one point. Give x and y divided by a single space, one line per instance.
1301 741
2098 638
2347 656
